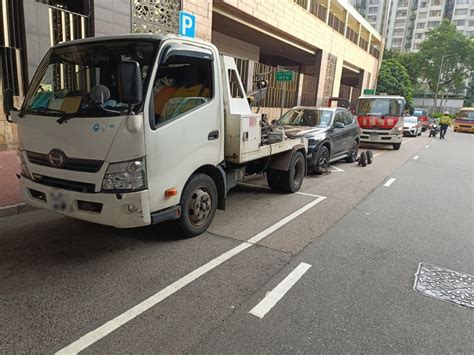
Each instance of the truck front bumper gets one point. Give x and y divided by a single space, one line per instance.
383 137
126 210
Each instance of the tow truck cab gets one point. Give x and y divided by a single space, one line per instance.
380 118
132 130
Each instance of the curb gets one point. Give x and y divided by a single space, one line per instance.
15 209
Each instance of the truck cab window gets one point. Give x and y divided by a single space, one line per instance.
181 85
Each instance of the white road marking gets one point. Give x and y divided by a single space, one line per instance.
267 188
337 169
107 328
389 182
272 297
376 155
415 157
427 146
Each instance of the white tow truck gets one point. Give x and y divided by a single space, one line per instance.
133 130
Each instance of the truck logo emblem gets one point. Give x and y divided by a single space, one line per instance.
56 158
96 127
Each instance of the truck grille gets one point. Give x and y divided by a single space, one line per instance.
64 184
85 165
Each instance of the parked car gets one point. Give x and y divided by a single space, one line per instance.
332 133
411 126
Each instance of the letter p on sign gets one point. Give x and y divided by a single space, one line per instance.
187 24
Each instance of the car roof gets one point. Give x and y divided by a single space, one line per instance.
381 97
319 108
466 109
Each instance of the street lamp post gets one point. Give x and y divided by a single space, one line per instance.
439 78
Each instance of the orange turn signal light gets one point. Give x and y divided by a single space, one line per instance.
171 192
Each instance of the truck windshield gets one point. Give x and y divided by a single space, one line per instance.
419 113
306 117
465 115
379 107
66 77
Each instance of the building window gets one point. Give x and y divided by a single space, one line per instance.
437 2
423 4
470 33
401 13
435 13
397 41
471 23
422 14
460 12
371 18
402 3
373 10
399 23
416 46
398 32
373 2
462 2
459 22
432 24
419 35
420 25
472 12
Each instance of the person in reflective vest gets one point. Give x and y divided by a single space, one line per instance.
444 122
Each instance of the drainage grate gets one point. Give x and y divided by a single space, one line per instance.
444 284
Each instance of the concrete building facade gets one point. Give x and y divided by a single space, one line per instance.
330 48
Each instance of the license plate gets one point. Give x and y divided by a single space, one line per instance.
57 200
374 136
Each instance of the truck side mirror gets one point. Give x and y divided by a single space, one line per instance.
8 103
130 82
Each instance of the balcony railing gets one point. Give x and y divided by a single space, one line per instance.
302 3
318 10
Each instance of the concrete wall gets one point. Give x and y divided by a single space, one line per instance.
202 9
112 17
235 47
37 33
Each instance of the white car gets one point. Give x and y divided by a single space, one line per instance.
411 126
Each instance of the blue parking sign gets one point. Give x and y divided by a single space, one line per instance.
187 24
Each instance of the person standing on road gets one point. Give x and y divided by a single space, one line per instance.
444 122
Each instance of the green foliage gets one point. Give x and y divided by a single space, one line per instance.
395 80
458 50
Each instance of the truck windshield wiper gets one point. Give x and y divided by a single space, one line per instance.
40 110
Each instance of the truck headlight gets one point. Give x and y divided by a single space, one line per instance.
24 168
125 177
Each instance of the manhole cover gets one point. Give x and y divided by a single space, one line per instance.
444 284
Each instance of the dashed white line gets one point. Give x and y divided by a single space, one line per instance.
107 328
272 297
427 146
415 157
389 182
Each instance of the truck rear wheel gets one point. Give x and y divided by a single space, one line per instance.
198 205
290 180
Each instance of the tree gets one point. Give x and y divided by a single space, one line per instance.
458 52
394 80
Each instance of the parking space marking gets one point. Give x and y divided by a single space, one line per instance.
272 297
415 157
389 182
107 328
337 169
427 146
376 155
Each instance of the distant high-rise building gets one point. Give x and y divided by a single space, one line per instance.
404 23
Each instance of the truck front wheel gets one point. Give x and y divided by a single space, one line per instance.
198 205
290 180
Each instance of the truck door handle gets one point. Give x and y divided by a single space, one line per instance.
213 135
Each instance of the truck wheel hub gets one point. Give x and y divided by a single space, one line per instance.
199 206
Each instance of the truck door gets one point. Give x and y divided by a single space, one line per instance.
185 117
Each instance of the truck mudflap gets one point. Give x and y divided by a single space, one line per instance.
282 160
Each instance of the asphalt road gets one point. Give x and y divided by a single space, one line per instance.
63 279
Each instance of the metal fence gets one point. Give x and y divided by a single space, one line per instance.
309 90
276 89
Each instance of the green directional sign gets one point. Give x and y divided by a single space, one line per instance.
369 91
284 75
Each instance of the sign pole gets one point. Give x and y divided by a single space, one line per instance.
283 97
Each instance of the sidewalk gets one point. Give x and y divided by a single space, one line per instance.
9 187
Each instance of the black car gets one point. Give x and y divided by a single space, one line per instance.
332 134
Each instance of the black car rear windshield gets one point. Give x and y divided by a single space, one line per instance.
306 117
